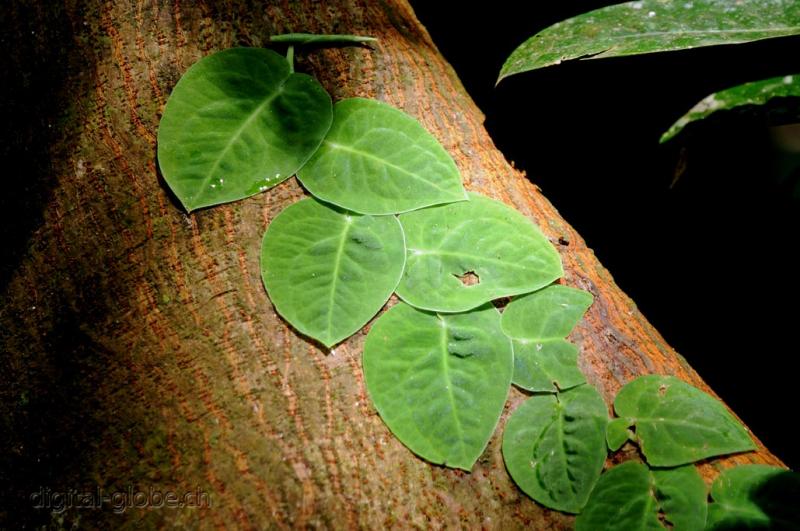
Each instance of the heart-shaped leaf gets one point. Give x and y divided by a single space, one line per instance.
647 26
538 323
554 446
755 497
676 423
328 271
631 497
439 381
746 95
237 123
480 239
378 160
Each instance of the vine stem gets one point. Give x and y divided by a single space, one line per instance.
290 58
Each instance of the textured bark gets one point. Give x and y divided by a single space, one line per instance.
140 347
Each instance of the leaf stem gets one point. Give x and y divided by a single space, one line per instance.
290 58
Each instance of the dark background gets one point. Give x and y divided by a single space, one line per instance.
710 261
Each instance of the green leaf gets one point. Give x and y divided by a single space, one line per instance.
676 423
755 497
647 26
378 160
554 446
538 323
314 38
328 271
237 123
629 497
754 93
484 237
617 433
439 381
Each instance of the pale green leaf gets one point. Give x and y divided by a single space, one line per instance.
237 123
378 160
329 271
676 423
630 497
754 93
484 237
647 26
538 323
439 382
618 433
318 38
755 497
554 446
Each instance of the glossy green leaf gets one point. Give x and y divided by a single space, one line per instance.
647 26
439 382
237 123
328 271
754 93
378 160
618 433
538 323
507 253
676 423
630 497
554 446
755 497
314 38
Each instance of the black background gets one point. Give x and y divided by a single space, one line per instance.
711 262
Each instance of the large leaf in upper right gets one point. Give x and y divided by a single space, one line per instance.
378 160
675 423
507 253
630 497
647 26
748 94
755 497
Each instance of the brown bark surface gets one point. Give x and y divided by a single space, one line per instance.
140 348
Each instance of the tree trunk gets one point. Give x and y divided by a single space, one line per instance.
141 350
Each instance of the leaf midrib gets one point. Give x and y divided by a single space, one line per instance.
449 383
238 133
355 151
335 273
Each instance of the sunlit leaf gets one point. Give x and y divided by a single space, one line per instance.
630 497
439 382
755 497
378 160
482 240
554 446
237 123
538 323
754 93
675 423
647 26
329 271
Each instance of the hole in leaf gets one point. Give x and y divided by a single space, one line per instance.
469 278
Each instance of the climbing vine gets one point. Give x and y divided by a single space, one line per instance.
389 214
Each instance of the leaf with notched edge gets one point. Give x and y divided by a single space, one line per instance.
501 247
